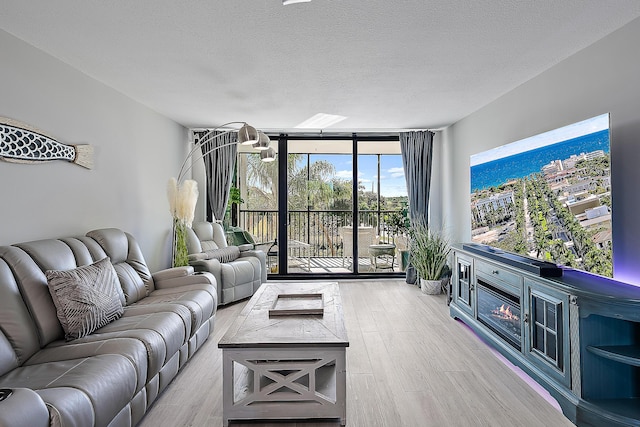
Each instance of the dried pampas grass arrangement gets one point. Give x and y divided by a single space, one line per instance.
182 200
187 199
172 196
182 205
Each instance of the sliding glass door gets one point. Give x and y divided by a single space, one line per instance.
314 198
382 211
319 203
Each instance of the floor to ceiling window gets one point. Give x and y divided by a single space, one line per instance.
314 198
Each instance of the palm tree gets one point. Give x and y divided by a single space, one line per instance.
262 183
309 186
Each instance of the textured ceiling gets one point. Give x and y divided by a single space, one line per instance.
403 64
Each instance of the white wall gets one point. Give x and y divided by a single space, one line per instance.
605 77
136 151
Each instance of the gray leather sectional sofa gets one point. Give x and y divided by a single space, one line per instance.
111 376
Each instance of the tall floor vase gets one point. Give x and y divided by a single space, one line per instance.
180 252
182 204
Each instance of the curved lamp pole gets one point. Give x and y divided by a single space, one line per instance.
247 135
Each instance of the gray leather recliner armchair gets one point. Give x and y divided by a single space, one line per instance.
239 270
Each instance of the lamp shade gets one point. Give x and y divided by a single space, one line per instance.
268 155
248 135
263 141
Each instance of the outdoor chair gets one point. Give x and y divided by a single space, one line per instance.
366 237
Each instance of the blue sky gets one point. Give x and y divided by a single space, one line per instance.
565 133
392 182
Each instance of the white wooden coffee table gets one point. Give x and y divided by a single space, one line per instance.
283 366
282 360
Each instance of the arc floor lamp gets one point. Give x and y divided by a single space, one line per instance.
183 193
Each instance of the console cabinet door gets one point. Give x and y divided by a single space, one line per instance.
547 330
463 284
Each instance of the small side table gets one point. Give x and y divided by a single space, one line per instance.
272 258
382 256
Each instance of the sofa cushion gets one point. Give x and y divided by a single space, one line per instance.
210 234
86 298
127 259
162 332
28 262
199 300
18 333
131 348
86 392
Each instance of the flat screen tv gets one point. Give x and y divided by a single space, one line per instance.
548 197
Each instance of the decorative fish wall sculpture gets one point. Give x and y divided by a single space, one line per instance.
20 143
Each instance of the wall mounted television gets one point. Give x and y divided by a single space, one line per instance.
548 197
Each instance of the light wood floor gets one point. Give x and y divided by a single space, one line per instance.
408 364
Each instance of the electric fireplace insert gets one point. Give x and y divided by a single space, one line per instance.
499 310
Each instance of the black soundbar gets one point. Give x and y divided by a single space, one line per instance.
533 265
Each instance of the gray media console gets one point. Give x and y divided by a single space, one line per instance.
577 335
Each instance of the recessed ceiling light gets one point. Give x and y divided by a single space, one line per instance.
320 121
286 2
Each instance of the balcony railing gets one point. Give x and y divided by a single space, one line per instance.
319 229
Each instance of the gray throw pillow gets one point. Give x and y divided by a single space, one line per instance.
227 254
86 298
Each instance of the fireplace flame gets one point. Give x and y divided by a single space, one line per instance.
505 313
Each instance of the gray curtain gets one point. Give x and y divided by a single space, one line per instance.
417 155
219 165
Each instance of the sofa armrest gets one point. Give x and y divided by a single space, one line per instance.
213 267
246 247
253 253
263 261
171 273
169 281
264 246
207 265
23 407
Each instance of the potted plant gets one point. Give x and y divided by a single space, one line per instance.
429 252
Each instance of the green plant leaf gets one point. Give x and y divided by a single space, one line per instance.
429 252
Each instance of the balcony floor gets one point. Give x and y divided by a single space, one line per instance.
325 265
